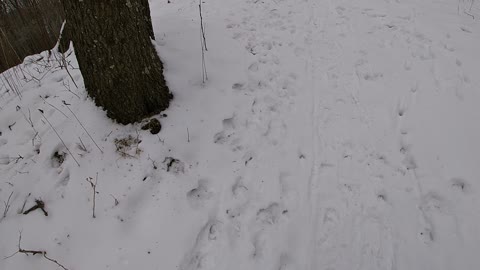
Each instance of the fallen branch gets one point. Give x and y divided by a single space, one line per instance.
39 204
34 252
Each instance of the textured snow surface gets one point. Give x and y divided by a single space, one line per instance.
331 135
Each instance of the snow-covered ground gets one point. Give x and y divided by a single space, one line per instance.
331 135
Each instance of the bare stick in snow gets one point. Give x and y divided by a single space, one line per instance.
81 145
24 203
94 188
203 44
202 27
471 15
67 86
90 136
41 111
63 58
34 252
30 122
116 201
17 159
39 204
54 107
7 206
68 72
153 163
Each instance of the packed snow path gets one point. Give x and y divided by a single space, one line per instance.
331 135
348 166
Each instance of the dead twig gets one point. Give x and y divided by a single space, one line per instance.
160 140
94 188
116 201
90 136
67 86
202 26
39 204
153 163
30 122
64 61
34 252
81 145
471 15
33 139
138 142
7 206
54 261
58 135
54 107
203 43
17 159
24 203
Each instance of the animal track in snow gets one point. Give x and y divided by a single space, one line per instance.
258 243
241 199
409 162
203 253
271 214
375 248
438 219
401 109
200 195
3 142
433 202
57 159
238 86
253 67
284 262
276 130
64 179
62 183
372 76
460 184
288 193
329 221
235 212
427 234
173 165
239 190
227 134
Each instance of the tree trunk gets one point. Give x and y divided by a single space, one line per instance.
120 66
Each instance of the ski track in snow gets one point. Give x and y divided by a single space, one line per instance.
328 150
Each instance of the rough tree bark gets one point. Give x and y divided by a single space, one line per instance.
121 68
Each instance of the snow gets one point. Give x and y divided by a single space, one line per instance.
330 135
